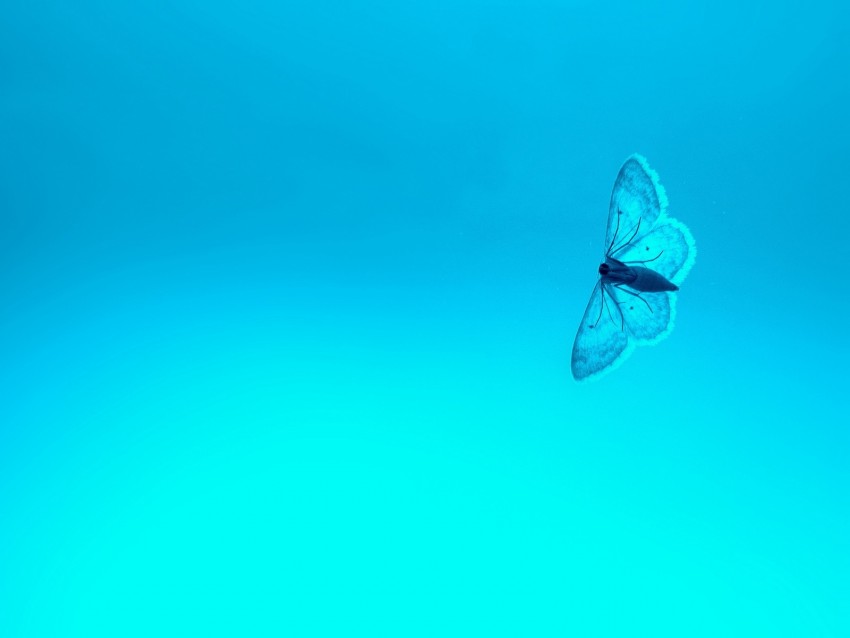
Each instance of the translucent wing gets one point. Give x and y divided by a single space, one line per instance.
601 342
647 317
638 196
614 322
668 249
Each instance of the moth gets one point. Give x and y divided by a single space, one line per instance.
648 254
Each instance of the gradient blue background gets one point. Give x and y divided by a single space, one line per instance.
288 297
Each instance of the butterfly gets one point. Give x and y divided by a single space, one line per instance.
648 254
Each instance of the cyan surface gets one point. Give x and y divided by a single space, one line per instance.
288 297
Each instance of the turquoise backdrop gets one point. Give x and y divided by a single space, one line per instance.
288 292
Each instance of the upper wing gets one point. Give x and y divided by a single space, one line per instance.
668 249
601 342
638 197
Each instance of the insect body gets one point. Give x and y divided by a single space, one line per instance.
648 255
637 278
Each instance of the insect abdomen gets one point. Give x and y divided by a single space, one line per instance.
647 280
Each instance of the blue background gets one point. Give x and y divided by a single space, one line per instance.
289 292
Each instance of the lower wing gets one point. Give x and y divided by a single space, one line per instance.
615 321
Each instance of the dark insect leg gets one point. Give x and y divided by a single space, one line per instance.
607 307
617 306
616 230
601 306
629 240
645 261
